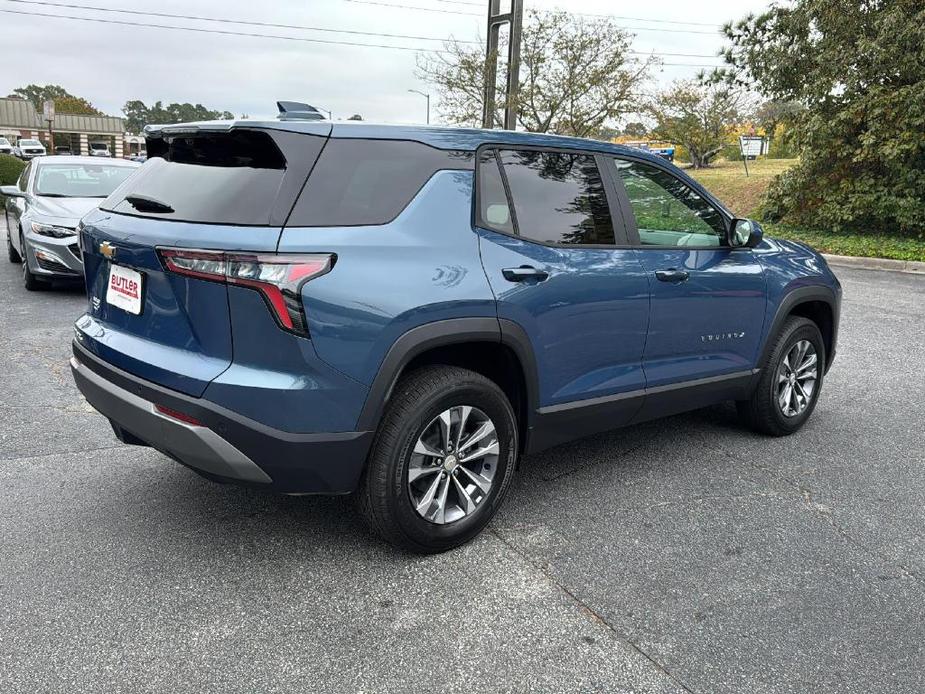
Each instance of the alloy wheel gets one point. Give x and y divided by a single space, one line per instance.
453 464
796 378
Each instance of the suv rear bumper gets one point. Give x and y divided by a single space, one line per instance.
225 446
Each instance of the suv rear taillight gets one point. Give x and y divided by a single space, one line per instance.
279 278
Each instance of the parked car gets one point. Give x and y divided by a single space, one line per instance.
403 312
5 146
662 149
43 208
63 150
141 157
27 149
99 149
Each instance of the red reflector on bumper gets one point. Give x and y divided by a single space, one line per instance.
185 418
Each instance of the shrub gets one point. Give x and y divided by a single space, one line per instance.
10 169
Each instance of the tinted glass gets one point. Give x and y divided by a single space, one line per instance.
494 212
367 182
558 197
224 178
667 211
80 180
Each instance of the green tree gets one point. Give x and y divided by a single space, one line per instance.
577 74
635 129
696 116
858 68
65 102
138 114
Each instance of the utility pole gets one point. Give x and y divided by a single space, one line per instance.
496 19
48 111
426 96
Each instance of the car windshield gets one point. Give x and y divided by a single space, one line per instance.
4 141
80 180
29 142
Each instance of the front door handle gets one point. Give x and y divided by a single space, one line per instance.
524 272
674 276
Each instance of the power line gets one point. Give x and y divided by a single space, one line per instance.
223 20
122 22
290 38
592 14
293 26
586 14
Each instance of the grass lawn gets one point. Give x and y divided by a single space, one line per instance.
726 180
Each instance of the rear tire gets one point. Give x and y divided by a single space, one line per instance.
790 382
420 435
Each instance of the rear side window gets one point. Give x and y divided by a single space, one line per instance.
369 182
220 178
558 197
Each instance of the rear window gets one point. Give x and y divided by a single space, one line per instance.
369 182
558 197
219 178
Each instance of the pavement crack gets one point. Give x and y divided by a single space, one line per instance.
828 514
593 614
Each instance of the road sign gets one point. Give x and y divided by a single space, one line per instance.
751 146
49 111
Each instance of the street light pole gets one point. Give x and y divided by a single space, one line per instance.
426 96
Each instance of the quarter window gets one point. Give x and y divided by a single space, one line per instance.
668 212
369 182
494 211
558 197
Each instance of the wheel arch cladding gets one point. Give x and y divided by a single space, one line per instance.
500 352
819 304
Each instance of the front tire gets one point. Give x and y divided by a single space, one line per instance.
29 280
442 460
790 382
10 250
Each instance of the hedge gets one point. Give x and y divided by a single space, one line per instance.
10 168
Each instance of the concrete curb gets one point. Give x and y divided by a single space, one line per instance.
911 266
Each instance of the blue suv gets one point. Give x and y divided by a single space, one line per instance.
402 312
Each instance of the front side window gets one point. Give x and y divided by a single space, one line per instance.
558 197
24 178
667 211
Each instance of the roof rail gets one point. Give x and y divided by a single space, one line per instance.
295 110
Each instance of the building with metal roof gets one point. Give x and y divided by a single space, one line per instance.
18 118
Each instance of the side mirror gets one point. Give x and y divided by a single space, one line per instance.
11 192
744 233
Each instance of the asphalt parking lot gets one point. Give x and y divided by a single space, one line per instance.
684 555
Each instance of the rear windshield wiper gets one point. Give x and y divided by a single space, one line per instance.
143 203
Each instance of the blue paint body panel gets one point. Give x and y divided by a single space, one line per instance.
422 267
587 322
598 328
710 325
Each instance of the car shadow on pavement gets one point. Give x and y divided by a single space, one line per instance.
173 502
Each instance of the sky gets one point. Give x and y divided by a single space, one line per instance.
109 64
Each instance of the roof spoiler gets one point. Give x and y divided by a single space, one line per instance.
295 110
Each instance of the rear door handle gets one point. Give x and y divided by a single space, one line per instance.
672 275
524 272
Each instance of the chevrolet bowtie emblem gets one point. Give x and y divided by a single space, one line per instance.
108 250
